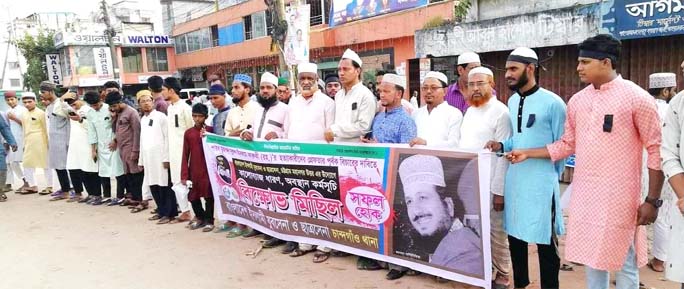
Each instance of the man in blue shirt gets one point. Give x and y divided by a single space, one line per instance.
393 125
531 191
217 97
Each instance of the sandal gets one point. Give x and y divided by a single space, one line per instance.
3 197
236 232
208 228
192 223
652 267
59 197
154 218
178 220
197 225
154 212
164 220
46 191
320 257
299 252
138 209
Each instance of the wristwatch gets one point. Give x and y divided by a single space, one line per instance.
657 203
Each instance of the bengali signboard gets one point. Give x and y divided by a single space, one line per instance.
417 208
103 62
638 19
343 11
297 40
54 68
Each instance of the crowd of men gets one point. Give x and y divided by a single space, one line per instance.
613 126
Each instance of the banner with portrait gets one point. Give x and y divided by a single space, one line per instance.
344 11
413 207
296 49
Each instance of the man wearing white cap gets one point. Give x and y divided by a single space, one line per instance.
673 166
354 103
430 207
311 114
269 122
457 92
438 123
243 114
488 119
532 195
392 125
663 87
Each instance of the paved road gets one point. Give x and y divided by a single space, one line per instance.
61 245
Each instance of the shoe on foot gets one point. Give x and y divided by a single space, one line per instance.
197 225
208 228
251 233
395 274
114 202
236 232
289 247
273 242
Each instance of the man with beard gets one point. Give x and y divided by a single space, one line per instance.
154 159
332 85
243 114
58 135
127 140
392 125
487 119
438 123
354 104
430 210
608 125
457 93
663 87
284 92
532 195
311 114
179 120
268 121
240 118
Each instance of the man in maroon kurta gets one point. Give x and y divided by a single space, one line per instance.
194 171
127 140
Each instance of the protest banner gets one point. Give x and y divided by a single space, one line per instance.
414 207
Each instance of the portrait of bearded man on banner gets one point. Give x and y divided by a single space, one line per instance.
430 226
223 168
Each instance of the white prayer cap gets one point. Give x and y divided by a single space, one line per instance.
480 70
307 67
468 57
351 55
524 55
437 75
420 170
394 79
267 77
662 80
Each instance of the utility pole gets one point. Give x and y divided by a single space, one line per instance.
110 33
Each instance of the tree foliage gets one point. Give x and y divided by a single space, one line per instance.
34 50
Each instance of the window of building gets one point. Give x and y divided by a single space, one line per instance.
157 59
132 59
214 35
65 62
181 44
259 24
15 82
248 26
319 10
84 60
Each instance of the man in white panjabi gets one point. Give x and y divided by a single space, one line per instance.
179 120
14 114
438 123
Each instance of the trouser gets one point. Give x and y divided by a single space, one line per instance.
626 278
77 180
14 170
305 247
182 201
133 183
3 176
106 187
121 187
661 232
204 214
549 263
165 199
29 175
92 183
63 178
501 256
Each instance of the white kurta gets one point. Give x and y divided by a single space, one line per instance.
240 117
178 121
271 120
17 133
441 127
80 150
308 119
154 148
354 113
482 124
672 153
